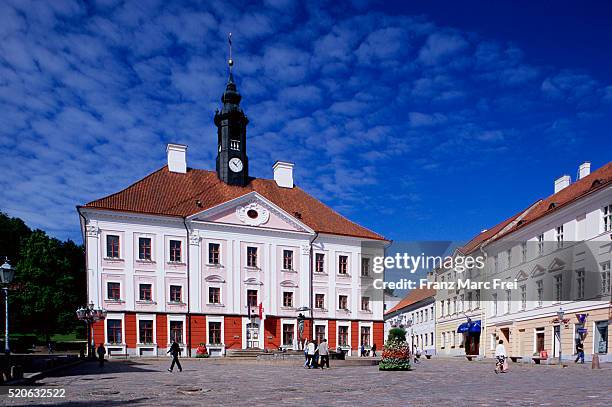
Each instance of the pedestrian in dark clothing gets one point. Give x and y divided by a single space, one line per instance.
374 350
362 350
323 350
101 352
579 352
175 350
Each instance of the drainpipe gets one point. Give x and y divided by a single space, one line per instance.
310 258
90 335
188 289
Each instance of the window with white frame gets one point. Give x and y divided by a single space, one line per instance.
605 278
559 236
112 246
523 297
469 301
176 293
251 256
607 218
540 292
343 265
145 331
365 266
477 300
175 251
494 304
524 252
287 299
320 301
214 253
176 331
319 263
365 303
343 302
540 244
343 335
214 333
113 291
287 259
288 330
508 258
114 330
214 295
558 287
496 263
508 301
580 284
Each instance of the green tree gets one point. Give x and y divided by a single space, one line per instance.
49 286
12 233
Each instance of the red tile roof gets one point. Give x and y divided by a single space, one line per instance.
175 194
414 296
595 181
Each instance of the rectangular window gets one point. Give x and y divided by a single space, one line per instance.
558 288
448 307
176 331
469 301
559 236
235 145
343 265
607 218
214 295
287 259
214 333
540 244
251 256
605 278
145 292
112 246
287 299
524 252
343 333
319 262
145 331
580 284
523 297
214 253
442 308
252 298
175 293
342 302
113 330
365 266
496 263
365 335
508 301
288 334
319 333
494 297
144 248
320 301
509 258
175 251
365 303
477 304
113 291
540 292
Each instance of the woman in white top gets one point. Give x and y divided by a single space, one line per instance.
500 356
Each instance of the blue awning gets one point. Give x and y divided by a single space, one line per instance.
463 328
475 327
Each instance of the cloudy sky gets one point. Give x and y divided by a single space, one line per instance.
420 121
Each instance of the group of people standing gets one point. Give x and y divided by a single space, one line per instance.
316 355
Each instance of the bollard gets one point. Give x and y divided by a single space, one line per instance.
595 362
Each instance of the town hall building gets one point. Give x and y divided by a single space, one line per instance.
227 260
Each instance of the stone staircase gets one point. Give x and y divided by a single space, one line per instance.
243 353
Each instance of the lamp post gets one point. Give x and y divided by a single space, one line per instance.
7 274
89 315
560 314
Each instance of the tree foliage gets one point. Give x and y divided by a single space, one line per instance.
49 281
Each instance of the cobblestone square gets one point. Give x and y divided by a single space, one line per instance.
436 382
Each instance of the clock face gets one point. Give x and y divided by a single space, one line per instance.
235 164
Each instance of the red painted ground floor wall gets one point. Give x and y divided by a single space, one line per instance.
233 327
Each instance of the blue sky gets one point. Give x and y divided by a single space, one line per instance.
421 120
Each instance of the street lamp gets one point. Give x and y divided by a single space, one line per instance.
89 315
560 314
7 274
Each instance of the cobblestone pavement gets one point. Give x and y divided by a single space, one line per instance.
436 382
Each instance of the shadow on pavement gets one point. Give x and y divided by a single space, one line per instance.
100 403
91 368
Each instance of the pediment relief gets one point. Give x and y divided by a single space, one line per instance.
521 276
288 283
253 281
214 279
537 271
556 264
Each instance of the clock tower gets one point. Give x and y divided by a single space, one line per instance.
231 122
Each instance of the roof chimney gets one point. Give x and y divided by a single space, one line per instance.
177 158
584 169
283 174
562 182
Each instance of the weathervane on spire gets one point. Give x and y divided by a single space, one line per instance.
230 61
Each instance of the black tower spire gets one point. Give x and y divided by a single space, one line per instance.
231 122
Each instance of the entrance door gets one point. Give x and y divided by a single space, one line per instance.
472 344
253 335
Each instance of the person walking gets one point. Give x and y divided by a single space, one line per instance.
362 350
374 350
415 354
500 356
175 350
579 352
323 350
101 352
311 353
305 354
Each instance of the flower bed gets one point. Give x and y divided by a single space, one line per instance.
201 351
